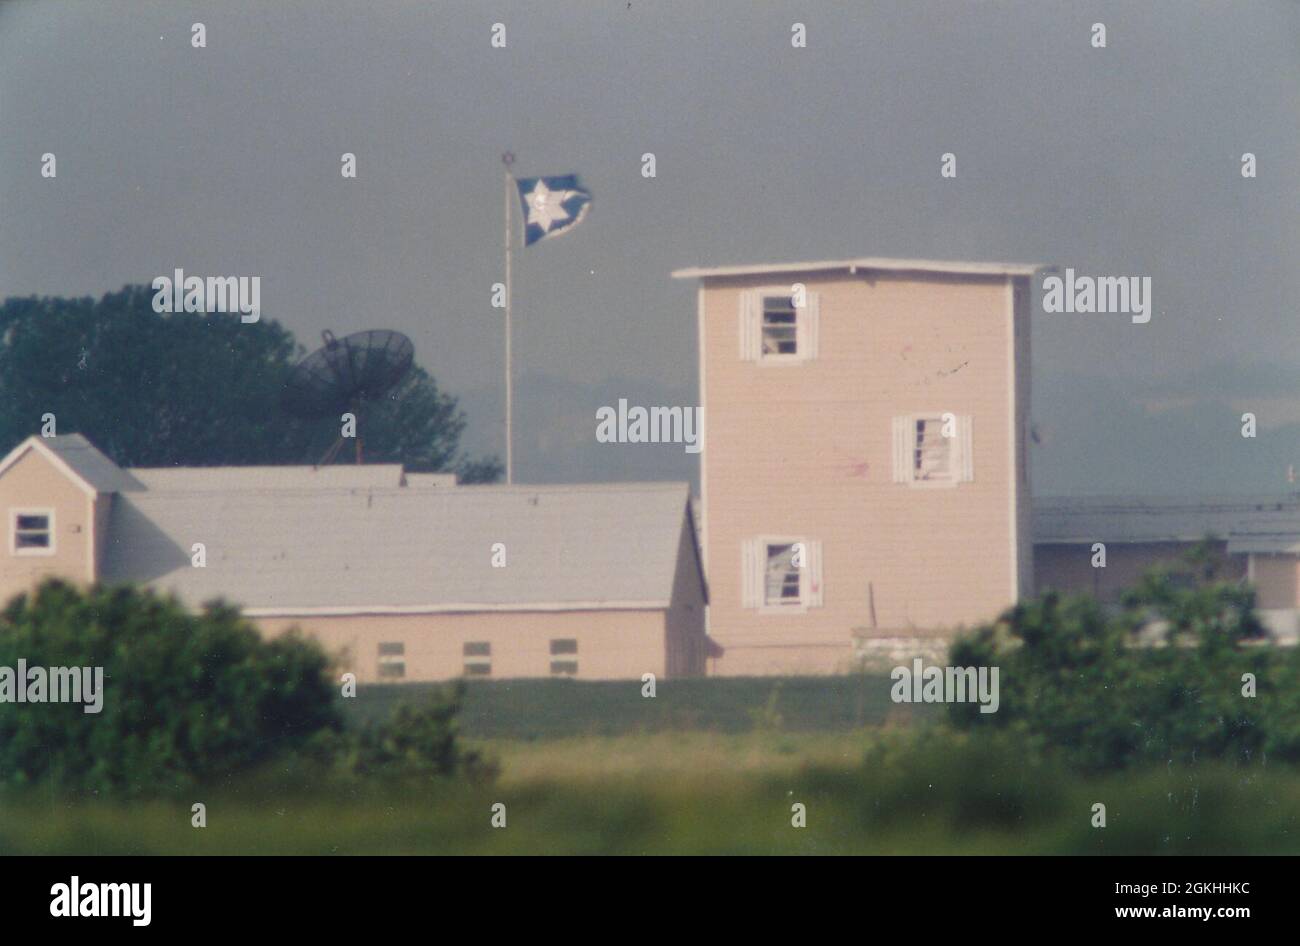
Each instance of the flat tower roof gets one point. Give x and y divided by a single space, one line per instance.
879 263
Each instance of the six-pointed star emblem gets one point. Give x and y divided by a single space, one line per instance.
546 207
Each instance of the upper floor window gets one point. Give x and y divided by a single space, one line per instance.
932 449
778 324
31 531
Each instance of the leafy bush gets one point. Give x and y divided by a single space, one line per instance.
418 739
188 698
1161 680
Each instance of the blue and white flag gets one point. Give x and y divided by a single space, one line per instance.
552 205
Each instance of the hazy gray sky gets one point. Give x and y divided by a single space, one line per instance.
1123 161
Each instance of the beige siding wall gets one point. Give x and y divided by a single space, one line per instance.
1068 567
612 645
783 659
1277 581
806 450
33 482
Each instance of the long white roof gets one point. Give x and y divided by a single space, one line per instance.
368 539
393 550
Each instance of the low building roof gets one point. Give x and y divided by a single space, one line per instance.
880 263
218 479
285 551
1088 519
1268 533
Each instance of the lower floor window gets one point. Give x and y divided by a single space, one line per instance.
782 574
566 647
478 658
392 660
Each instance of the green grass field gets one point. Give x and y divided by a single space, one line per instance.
595 769
697 794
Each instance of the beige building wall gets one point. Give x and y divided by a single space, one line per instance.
1068 566
1277 581
36 484
667 641
806 450
611 645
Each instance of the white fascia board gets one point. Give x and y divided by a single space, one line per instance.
380 609
886 264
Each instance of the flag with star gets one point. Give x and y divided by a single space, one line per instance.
552 205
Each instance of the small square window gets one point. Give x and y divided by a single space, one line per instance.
564 668
32 532
564 646
477 649
478 668
392 649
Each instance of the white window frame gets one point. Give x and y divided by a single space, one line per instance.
959 450
754 575
751 326
14 513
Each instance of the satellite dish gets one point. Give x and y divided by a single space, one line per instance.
344 373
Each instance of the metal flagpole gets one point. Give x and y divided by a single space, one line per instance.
508 159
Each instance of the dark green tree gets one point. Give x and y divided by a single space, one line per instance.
1159 681
189 389
188 699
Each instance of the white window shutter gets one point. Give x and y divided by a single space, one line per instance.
965 455
809 325
750 574
904 431
814 576
750 314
